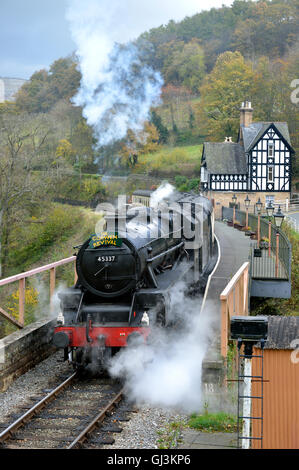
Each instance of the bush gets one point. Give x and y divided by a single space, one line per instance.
185 184
34 240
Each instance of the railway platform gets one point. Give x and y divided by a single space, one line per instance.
208 440
234 252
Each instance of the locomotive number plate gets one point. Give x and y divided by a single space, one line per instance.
107 259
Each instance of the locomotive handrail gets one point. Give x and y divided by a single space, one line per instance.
170 250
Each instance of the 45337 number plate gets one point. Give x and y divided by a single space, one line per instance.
107 259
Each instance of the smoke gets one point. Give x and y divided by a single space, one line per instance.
164 191
117 88
168 371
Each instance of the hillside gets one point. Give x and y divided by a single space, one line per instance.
41 242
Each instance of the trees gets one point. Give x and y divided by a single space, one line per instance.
156 120
144 142
223 91
23 140
45 89
186 66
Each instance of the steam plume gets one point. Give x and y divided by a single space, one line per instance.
168 371
117 89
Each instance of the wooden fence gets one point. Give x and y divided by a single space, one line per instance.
21 278
234 301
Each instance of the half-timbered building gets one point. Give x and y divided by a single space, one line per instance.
259 164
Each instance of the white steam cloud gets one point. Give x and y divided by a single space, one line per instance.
167 372
164 191
117 89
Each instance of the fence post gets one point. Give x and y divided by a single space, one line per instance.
224 331
76 274
22 287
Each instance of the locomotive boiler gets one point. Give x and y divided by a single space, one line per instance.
126 274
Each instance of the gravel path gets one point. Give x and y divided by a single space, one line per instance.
145 429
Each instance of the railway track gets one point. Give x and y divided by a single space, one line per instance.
77 413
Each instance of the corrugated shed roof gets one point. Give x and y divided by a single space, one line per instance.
253 133
224 158
282 331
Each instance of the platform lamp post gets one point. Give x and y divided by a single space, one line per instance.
278 219
247 204
259 206
234 199
270 212
248 331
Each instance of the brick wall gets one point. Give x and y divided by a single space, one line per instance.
224 198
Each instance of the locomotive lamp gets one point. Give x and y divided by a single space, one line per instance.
60 319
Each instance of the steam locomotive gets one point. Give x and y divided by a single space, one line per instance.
126 274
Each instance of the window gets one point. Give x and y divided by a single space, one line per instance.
270 174
269 199
270 149
204 176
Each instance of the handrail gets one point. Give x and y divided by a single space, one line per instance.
231 285
21 277
234 301
26 274
268 231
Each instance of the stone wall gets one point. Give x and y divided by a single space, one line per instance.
23 349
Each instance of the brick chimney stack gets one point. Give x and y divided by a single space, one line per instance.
246 114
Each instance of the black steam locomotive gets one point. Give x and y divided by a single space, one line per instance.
126 273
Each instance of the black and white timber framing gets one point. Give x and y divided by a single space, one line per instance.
261 160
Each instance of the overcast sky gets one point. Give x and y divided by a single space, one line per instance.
34 33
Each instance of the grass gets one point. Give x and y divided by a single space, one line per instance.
169 437
193 153
171 161
213 422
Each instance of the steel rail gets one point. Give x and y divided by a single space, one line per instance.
84 435
8 432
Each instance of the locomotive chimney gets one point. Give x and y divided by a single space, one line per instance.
246 114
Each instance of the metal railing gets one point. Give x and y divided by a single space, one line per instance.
21 278
272 263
